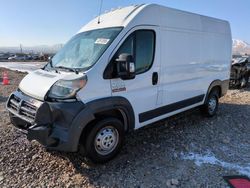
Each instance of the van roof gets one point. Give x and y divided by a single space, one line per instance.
114 18
153 14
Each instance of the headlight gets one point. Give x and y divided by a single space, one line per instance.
67 89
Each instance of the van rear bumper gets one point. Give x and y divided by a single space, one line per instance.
50 123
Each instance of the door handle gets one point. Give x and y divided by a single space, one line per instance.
155 78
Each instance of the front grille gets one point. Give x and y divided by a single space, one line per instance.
28 110
22 108
14 103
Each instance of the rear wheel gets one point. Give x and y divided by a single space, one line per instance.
210 107
104 140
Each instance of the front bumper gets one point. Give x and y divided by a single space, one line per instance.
50 123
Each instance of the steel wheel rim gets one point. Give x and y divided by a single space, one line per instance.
212 104
106 140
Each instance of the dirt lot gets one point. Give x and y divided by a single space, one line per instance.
187 150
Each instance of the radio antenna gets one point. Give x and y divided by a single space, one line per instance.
100 10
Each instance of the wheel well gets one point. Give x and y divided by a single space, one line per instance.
116 113
218 88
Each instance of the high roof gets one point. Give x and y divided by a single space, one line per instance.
153 14
114 18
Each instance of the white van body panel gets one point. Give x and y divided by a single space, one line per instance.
202 59
192 56
191 52
139 91
41 81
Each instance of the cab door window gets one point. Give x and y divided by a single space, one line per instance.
141 45
144 50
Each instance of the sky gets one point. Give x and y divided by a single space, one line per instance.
48 22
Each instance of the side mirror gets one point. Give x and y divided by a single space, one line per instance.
125 66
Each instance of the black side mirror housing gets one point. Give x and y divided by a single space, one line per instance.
125 66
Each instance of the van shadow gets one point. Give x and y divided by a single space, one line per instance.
156 145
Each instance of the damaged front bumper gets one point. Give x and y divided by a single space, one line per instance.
50 123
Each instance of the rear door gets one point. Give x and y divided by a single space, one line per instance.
142 91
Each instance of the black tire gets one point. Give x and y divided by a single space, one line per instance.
108 127
210 108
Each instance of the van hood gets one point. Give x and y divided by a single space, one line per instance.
38 83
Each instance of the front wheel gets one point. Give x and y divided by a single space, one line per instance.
210 107
104 140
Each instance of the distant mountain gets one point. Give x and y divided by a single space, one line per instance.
33 49
240 47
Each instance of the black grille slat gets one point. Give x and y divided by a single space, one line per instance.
28 116
14 102
28 110
14 107
26 106
17 99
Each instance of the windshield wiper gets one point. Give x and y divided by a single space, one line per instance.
50 63
68 68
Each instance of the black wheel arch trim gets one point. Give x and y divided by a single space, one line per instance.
223 84
97 106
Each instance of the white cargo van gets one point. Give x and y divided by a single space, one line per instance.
138 65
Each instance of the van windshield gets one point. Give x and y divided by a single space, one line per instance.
84 49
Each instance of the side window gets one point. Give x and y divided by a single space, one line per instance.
127 46
140 45
144 52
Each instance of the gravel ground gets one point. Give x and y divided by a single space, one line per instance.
187 150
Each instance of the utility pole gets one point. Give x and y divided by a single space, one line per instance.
21 48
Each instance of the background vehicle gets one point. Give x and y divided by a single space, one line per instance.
20 57
240 72
4 56
124 70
